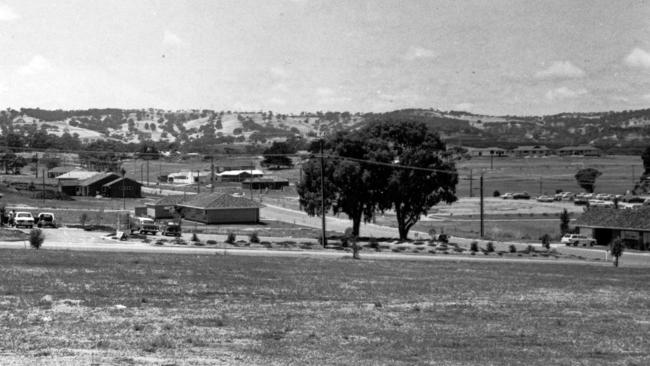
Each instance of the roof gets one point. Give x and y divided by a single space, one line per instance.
96 178
578 148
188 174
119 180
62 169
219 201
239 172
77 174
527 148
171 200
604 217
266 179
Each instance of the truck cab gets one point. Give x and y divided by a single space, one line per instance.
143 225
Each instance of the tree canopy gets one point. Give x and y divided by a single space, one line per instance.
275 155
391 164
586 178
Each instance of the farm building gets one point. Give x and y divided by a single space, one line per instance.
239 175
93 186
537 150
121 187
264 183
582 150
164 207
606 224
189 177
487 151
220 208
76 175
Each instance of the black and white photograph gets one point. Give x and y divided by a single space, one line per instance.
325 182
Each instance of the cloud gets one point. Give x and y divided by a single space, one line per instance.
279 72
564 93
324 91
36 65
172 39
277 101
416 52
561 70
281 87
7 13
646 97
638 58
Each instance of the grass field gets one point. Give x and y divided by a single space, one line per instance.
184 309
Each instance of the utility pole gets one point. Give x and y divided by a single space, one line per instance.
198 182
142 173
633 178
43 193
322 194
147 172
211 173
482 218
491 161
540 186
470 183
123 194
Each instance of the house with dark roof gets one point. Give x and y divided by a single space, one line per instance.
581 150
220 208
264 183
165 207
122 187
606 224
92 186
537 150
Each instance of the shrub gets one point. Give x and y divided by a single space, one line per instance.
82 219
36 238
530 249
512 248
195 238
444 238
253 238
230 239
496 194
490 247
212 242
546 241
473 247
373 243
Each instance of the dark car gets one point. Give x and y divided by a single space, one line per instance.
171 228
521 196
45 219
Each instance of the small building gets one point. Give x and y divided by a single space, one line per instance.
93 186
188 177
229 165
69 187
239 175
606 224
581 150
487 152
537 150
76 175
122 187
165 207
264 183
220 208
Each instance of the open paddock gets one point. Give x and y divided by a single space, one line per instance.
61 307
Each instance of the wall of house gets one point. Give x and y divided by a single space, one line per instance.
131 190
221 216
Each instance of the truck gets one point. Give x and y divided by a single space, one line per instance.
171 228
142 225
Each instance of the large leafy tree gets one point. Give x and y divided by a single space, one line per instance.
420 177
276 155
586 178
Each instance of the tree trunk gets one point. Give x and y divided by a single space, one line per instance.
616 261
356 223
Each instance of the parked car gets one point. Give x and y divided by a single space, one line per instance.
580 201
143 225
544 198
521 196
601 203
171 228
578 239
24 219
506 196
45 219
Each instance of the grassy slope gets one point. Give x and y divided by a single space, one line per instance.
228 310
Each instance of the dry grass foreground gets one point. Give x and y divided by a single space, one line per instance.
60 307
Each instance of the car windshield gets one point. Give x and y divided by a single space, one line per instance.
21 214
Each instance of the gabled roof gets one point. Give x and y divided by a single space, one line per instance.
77 174
97 177
238 172
604 217
527 148
265 179
62 169
219 200
119 180
578 148
171 200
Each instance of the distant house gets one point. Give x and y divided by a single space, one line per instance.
122 187
220 208
239 175
189 177
486 151
537 150
606 224
93 186
264 183
69 182
165 207
581 150
229 165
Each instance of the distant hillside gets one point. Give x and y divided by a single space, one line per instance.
614 131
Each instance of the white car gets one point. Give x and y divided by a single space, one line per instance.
577 239
24 219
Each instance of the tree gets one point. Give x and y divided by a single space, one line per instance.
617 247
276 155
36 238
564 222
586 178
646 160
410 192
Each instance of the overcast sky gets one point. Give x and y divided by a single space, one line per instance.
496 56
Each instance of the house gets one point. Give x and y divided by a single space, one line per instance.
93 186
165 207
189 177
69 182
239 175
581 150
537 150
487 151
122 187
264 183
59 170
606 224
220 208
